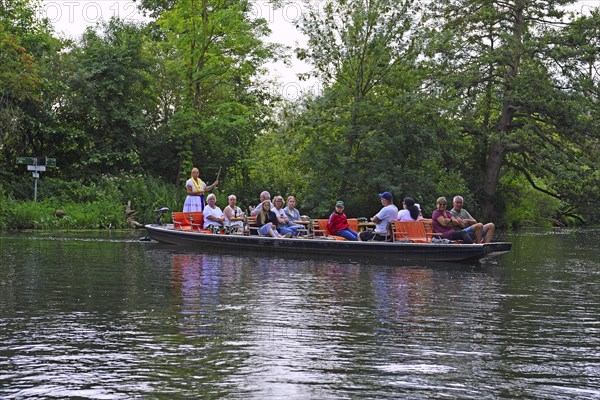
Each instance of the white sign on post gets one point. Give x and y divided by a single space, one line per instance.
32 165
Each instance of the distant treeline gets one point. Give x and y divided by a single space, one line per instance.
498 102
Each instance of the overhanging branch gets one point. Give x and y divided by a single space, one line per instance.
531 181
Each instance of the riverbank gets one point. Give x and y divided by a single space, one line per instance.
111 203
103 204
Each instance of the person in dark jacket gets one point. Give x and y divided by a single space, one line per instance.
338 223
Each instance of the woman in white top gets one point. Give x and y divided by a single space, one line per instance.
212 214
195 192
410 212
233 214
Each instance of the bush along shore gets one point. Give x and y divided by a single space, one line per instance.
111 203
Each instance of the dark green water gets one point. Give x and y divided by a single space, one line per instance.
104 316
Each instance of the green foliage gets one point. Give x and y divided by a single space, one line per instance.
372 128
98 205
484 99
528 206
41 215
520 91
5 205
216 53
27 49
107 106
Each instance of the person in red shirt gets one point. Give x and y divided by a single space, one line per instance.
338 223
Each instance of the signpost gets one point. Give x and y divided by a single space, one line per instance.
36 165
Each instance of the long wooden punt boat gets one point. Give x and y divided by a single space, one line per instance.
324 247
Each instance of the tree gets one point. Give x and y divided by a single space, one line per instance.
26 50
218 53
500 62
106 103
372 127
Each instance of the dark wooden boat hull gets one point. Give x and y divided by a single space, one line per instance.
387 251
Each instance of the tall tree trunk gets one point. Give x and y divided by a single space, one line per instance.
497 145
491 178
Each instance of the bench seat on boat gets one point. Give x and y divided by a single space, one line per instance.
416 231
320 228
181 221
188 221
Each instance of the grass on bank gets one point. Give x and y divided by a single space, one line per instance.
94 205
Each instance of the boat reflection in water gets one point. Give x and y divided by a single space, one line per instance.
217 295
197 284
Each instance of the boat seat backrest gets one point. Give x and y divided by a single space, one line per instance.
416 231
411 230
428 224
320 227
251 224
181 220
197 220
353 224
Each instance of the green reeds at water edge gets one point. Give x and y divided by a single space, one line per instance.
96 205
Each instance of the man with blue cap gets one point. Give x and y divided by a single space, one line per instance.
387 214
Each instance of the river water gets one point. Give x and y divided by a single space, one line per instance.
105 316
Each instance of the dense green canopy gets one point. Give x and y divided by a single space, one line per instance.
497 101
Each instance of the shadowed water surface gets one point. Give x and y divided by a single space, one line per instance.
104 316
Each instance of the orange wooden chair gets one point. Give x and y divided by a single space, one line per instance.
414 231
399 233
181 221
197 220
251 225
353 224
428 224
320 230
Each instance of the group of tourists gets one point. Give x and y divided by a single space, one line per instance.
272 218
456 224
276 219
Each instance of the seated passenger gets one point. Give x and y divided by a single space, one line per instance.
410 212
470 224
264 195
338 223
291 211
285 224
443 222
387 214
212 214
234 217
267 221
